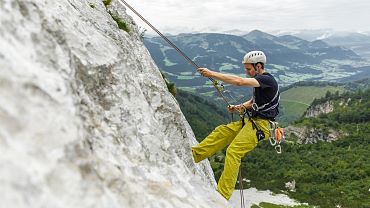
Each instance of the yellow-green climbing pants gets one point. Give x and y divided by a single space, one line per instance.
240 141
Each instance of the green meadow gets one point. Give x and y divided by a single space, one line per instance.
296 100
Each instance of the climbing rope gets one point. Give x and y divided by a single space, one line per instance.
242 204
219 88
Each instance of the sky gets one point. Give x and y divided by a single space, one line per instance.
187 16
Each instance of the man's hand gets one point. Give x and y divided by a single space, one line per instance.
240 108
205 72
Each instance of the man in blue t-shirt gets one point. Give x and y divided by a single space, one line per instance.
242 136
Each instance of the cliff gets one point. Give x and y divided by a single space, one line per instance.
316 110
311 134
86 119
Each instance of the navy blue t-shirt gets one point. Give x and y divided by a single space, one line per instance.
265 94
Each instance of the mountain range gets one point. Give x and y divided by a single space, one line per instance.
289 58
359 42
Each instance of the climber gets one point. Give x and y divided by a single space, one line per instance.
241 136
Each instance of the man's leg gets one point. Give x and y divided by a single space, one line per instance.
216 140
244 142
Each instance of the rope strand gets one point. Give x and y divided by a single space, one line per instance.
123 2
242 204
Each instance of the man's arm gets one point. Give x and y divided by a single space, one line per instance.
230 79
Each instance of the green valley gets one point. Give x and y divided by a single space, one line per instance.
295 100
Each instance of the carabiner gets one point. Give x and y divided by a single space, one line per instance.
255 106
272 141
273 125
278 149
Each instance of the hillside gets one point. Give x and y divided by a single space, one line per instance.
296 99
203 115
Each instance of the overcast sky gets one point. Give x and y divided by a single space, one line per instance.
183 16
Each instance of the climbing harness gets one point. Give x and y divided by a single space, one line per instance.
276 132
259 133
219 87
261 108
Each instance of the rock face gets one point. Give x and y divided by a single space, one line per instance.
85 117
315 110
306 135
291 186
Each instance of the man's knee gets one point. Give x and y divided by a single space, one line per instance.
233 154
237 152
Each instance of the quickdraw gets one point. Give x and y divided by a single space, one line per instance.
276 136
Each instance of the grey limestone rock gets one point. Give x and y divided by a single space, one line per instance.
86 119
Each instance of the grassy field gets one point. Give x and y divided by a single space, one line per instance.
296 100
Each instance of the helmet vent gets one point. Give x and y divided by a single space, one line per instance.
254 57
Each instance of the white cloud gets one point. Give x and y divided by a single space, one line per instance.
175 16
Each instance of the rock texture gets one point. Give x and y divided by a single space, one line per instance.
316 110
306 135
85 117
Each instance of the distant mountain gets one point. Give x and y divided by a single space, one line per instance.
294 49
291 41
360 43
290 58
258 36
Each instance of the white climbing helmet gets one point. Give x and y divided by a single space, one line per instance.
254 57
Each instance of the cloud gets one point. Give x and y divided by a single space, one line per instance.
193 15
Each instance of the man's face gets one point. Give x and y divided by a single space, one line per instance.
249 70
